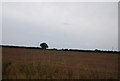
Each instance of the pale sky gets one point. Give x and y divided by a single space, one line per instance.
75 25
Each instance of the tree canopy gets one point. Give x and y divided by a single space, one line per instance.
43 45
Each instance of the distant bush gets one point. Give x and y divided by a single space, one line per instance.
65 49
54 49
96 50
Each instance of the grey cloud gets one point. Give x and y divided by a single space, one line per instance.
62 25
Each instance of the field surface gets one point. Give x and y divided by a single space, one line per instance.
22 63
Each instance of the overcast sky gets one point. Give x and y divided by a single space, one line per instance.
76 25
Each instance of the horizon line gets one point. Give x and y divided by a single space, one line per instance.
69 49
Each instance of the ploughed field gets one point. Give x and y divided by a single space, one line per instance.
26 63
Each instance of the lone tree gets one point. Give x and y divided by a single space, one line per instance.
44 45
